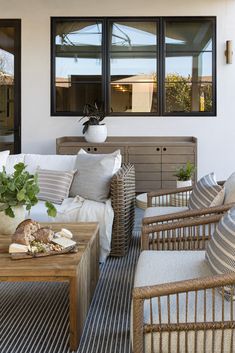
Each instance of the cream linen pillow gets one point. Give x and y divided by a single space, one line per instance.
94 174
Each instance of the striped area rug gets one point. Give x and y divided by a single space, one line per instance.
34 316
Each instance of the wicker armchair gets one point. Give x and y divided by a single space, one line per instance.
179 198
175 197
187 316
123 203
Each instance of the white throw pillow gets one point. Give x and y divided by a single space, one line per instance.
94 174
52 161
3 158
12 160
229 187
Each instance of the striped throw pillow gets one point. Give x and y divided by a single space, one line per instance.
54 185
204 192
220 250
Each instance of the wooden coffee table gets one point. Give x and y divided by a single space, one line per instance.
80 270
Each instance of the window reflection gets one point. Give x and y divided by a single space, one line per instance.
188 36
141 36
7 111
133 97
78 64
133 67
182 96
188 66
73 96
196 67
78 36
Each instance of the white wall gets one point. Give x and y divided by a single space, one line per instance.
216 136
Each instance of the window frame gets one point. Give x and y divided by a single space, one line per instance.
160 62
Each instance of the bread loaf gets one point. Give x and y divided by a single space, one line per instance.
24 232
45 235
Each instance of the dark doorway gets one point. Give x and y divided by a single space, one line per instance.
10 85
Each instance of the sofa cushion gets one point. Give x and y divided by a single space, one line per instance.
3 159
163 210
54 162
204 192
12 160
220 252
54 185
92 181
229 187
158 267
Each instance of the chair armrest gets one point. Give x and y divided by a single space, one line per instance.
163 197
185 234
189 285
122 191
169 295
186 214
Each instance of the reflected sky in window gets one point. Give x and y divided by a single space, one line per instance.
126 34
6 62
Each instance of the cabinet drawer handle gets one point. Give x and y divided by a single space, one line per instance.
88 149
164 149
95 149
157 149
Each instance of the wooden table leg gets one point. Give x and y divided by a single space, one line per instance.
73 314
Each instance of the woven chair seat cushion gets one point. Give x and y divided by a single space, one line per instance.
158 267
160 211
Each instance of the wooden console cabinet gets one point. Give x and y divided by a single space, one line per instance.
155 158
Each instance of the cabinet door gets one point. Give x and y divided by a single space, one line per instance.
172 159
147 161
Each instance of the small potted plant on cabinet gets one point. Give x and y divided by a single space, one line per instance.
184 175
94 131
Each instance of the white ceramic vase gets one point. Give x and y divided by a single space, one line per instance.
96 133
8 224
183 183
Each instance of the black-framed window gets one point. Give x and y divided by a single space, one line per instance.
157 66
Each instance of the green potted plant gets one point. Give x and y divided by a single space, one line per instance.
18 192
94 131
184 175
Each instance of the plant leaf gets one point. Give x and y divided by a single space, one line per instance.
9 212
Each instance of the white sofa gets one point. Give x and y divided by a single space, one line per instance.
72 209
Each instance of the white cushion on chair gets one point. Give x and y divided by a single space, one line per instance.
158 267
160 211
229 186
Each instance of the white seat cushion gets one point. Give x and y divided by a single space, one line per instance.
163 210
157 267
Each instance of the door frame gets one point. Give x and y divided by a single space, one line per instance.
16 23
